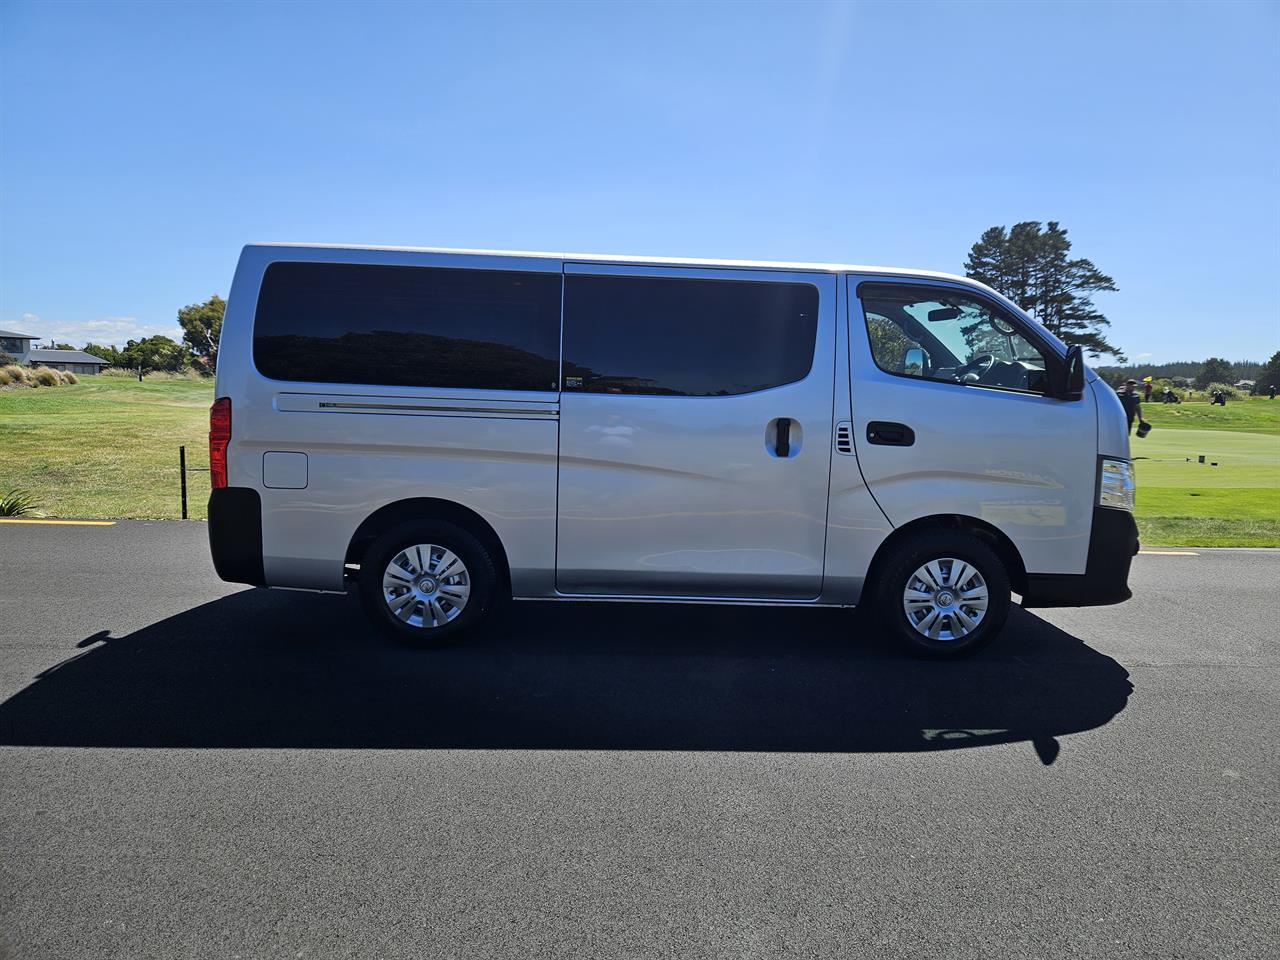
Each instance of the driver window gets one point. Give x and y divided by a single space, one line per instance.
948 336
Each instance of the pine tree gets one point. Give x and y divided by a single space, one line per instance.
1033 268
986 258
1215 370
1269 375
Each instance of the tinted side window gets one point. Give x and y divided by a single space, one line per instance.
686 338
408 326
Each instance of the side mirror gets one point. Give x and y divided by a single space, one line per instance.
1073 368
913 362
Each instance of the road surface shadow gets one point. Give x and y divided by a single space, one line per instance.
274 669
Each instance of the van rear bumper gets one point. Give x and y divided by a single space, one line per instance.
235 535
1113 541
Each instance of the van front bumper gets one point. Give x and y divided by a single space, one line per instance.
235 535
1113 541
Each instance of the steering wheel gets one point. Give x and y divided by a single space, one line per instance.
977 368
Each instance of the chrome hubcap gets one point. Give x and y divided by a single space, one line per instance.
945 599
426 585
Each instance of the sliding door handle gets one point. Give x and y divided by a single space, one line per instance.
890 434
782 437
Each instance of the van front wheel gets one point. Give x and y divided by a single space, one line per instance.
427 583
943 594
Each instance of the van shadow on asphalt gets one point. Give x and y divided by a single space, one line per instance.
275 669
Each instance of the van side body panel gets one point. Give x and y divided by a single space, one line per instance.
504 470
682 495
491 451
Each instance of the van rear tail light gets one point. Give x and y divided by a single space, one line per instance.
219 439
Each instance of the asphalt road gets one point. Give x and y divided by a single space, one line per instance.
188 768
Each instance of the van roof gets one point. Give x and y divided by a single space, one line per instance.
646 261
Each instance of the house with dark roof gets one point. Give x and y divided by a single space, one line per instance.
71 361
18 346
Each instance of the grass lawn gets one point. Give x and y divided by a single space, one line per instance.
1182 502
107 447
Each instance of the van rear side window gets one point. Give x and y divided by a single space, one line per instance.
408 326
686 338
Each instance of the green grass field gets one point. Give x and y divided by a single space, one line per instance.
1181 501
109 448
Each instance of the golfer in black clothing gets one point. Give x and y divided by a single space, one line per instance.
1132 404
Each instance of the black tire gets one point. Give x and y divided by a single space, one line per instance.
898 570
481 579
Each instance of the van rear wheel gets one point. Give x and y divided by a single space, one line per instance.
943 594
428 583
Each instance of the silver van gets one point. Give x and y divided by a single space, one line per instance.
447 429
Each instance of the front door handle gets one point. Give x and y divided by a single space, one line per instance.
890 434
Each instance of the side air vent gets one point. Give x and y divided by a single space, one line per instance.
844 437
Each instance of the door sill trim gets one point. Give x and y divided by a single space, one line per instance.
726 601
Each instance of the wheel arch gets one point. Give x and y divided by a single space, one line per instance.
398 512
995 538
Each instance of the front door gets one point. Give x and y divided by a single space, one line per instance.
952 417
695 432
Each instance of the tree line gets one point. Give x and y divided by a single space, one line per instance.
1186 369
1212 370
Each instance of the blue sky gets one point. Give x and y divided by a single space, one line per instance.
144 144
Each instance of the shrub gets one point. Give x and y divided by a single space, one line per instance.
1158 388
15 503
47 377
5 379
70 377
187 374
1231 392
16 374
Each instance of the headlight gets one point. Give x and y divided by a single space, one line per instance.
1116 489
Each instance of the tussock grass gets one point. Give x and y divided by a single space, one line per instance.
15 373
47 377
123 373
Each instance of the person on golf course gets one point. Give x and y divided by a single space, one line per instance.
1132 402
